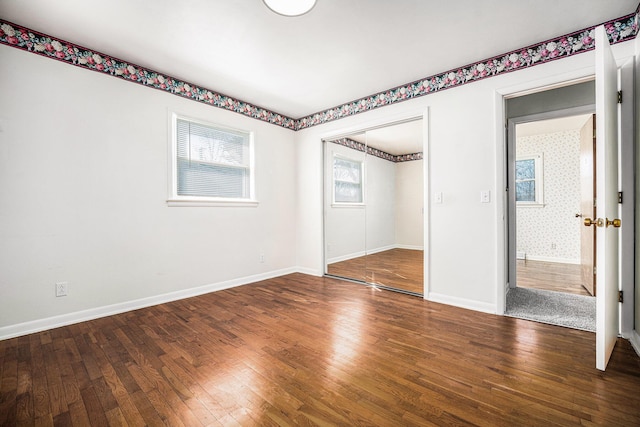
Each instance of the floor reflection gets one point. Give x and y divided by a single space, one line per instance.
395 268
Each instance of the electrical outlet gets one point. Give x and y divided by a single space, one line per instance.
61 289
553 246
261 257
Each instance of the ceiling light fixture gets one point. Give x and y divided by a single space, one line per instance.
290 7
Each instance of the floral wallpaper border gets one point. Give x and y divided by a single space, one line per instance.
359 146
32 41
20 37
618 30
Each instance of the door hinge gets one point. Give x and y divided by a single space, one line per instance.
620 296
619 97
619 196
595 270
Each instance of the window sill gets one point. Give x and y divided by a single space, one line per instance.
530 205
348 205
212 202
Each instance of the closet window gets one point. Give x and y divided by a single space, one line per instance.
210 164
347 181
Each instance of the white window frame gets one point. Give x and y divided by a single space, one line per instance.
538 179
334 203
174 199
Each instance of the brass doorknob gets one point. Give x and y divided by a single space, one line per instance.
588 222
615 222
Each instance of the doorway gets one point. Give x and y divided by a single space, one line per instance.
551 174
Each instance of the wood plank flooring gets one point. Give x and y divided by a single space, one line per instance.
303 350
550 276
396 268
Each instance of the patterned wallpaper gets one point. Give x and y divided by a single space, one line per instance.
31 40
552 232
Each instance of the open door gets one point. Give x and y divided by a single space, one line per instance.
607 222
587 208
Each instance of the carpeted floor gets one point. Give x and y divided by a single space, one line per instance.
556 308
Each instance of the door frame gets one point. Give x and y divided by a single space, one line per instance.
510 165
500 132
627 171
627 165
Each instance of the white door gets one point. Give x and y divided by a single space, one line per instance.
606 200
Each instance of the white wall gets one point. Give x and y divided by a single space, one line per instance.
409 204
83 188
381 204
552 232
345 225
465 250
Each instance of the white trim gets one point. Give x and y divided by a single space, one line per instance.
346 257
309 271
410 247
381 249
426 210
502 203
39 325
553 259
469 304
341 205
529 205
634 339
173 199
362 184
212 202
370 252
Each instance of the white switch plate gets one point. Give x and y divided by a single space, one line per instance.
485 196
438 197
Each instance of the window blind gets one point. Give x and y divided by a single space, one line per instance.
212 162
347 180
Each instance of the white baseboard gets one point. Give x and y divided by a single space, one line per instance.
372 251
634 339
310 271
462 302
552 259
381 249
346 257
39 325
410 247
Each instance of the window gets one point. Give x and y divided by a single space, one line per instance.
529 184
347 180
210 164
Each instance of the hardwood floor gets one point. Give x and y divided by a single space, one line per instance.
303 350
396 268
550 276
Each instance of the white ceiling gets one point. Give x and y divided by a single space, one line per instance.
552 125
396 139
342 50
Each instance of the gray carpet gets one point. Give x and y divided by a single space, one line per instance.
556 308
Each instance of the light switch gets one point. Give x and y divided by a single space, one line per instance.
485 196
438 197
